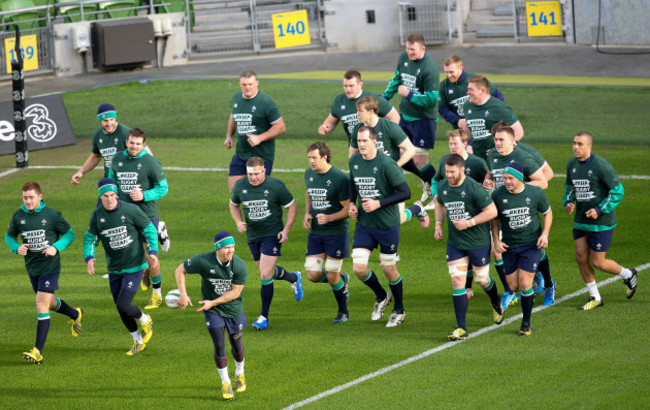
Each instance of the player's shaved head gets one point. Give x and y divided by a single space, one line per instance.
255 162
248 74
453 60
480 81
350 74
455 160
589 137
372 134
415 38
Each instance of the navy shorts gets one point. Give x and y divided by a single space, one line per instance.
524 258
234 325
126 281
45 283
267 245
422 133
335 246
598 241
477 257
369 238
238 167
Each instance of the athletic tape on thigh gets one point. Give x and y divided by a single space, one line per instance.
360 256
482 274
421 151
454 270
333 265
388 259
313 264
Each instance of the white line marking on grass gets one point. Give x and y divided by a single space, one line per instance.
447 345
643 177
9 172
280 170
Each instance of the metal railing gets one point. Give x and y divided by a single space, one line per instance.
42 53
213 27
431 18
237 27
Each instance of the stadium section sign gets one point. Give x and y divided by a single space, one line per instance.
48 125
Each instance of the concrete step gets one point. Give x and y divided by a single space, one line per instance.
488 4
503 10
496 31
481 18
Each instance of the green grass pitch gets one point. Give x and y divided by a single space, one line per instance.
572 360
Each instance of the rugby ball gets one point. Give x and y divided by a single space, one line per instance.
172 298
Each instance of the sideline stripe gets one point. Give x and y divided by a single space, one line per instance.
9 172
447 345
510 79
280 170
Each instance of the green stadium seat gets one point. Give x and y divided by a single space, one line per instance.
72 13
174 6
24 19
112 8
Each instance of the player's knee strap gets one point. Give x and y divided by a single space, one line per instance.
360 256
482 274
388 259
421 151
458 269
313 264
333 265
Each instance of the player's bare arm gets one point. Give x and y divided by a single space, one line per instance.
330 123
90 164
276 129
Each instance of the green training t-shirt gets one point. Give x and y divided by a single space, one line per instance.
262 205
519 214
345 109
377 179
389 136
497 163
217 279
593 183
422 77
464 202
40 229
107 145
119 231
326 192
254 116
141 172
481 118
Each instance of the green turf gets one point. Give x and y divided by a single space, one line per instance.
573 359
202 109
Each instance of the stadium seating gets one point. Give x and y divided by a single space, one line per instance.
72 13
170 6
24 19
119 8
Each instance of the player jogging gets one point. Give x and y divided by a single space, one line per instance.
592 189
467 208
327 204
119 226
523 238
223 276
44 234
